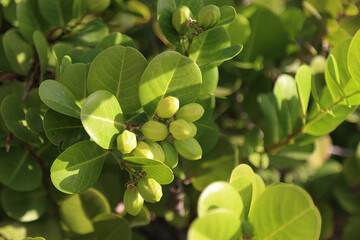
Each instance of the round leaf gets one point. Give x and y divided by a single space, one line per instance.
102 118
353 57
118 70
78 167
154 169
112 227
284 210
169 74
56 12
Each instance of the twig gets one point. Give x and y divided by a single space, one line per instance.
8 141
8 75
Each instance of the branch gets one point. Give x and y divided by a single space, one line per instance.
8 75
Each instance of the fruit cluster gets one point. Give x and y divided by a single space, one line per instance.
207 17
170 133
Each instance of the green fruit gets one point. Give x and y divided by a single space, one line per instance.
133 202
157 151
190 112
193 130
143 150
149 189
209 16
126 142
95 6
171 155
155 131
180 129
180 19
167 107
188 148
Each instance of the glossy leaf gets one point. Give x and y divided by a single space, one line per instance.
42 50
34 120
227 15
14 118
112 227
102 118
78 167
24 206
239 30
154 169
115 38
218 224
303 82
293 214
19 170
56 12
77 211
63 130
118 70
208 134
169 74
353 57
18 52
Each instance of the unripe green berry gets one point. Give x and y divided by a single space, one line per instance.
190 112
133 202
126 142
95 6
157 151
143 150
167 107
149 189
171 155
155 131
180 19
180 129
208 16
193 129
188 148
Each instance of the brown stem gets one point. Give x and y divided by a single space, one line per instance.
8 75
8 141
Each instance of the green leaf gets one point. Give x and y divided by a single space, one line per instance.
169 74
42 50
77 211
35 238
114 39
219 195
353 57
102 118
74 78
78 167
303 82
118 70
57 97
79 8
19 170
208 134
4 63
112 227
227 15
59 50
14 117
218 224
34 120
24 206
13 230
89 34
154 169
275 217
293 20
18 52
63 130
210 80
239 30
56 12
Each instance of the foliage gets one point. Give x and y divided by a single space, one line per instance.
208 117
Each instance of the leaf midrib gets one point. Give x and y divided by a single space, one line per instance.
86 162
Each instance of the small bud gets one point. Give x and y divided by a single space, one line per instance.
133 202
208 16
150 189
155 131
167 107
171 155
157 151
193 129
180 19
190 112
188 148
180 129
126 142
143 150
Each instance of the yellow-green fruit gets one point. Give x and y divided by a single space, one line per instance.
180 129
95 6
149 189
188 148
167 107
190 112
171 155
180 19
155 131
143 150
157 151
209 16
193 129
133 202
126 142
